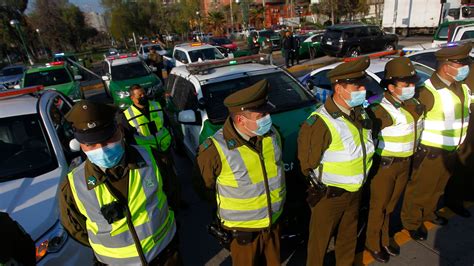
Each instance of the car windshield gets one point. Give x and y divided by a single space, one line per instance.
268 34
443 32
24 149
205 54
11 71
47 77
284 93
221 41
157 47
467 11
333 34
129 71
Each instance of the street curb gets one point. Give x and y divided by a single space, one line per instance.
364 258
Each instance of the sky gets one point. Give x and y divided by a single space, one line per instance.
84 5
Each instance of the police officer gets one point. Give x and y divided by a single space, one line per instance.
114 202
156 60
397 123
447 100
335 148
267 49
148 120
460 185
243 163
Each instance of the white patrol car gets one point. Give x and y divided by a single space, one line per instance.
187 53
144 50
34 159
427 57
318 83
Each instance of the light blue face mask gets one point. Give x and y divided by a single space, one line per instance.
357 98
264 124
462 73
407 93
108 156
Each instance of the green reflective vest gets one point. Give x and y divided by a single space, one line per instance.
162 138
251 186
398 140
153 221
349 154
446 123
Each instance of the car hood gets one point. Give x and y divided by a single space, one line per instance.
65 88
418 47
32 202
8 79
145 82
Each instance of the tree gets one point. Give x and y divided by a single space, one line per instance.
256 16
9 39
339 9
216 20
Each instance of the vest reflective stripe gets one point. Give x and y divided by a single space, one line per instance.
446 123
397 140
241 196
342 164
153 221
140 122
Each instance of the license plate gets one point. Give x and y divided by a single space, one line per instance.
329 43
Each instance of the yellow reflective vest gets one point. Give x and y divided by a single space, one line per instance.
347 161
147 205
446 123
162 138
251 186
401 138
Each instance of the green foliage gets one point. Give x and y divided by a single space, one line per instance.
341 8
10 9
215 20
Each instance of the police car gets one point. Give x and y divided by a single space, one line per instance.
187 53
122 71
34 159
196 110
318 83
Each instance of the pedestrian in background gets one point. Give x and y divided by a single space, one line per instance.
156 60
254 44
287 47
335 151
267 49
397 123
242 164
295 51
447 101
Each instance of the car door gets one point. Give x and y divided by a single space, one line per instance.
365 39
377 39
184 99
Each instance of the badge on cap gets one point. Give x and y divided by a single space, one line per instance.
84 107
91 181
91 125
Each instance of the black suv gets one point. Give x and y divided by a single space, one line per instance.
353 39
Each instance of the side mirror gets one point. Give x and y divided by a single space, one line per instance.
77 77
17 86
105 78
189 117
184 61
202 103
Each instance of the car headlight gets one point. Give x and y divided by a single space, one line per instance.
123 94
51 242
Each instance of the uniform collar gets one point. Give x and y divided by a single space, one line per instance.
332 108
232 137
438 82
94 176
392 99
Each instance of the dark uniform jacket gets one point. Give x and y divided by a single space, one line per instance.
382 119
314 137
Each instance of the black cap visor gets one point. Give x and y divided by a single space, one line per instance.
361 81
97 136
463 61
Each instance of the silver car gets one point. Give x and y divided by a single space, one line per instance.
34 159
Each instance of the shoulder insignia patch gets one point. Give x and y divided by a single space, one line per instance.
311 120
206 144
231 143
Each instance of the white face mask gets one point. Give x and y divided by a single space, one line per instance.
407 93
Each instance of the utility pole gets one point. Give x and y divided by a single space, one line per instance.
231 17
16 24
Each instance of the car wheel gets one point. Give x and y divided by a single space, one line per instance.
353 52
390 47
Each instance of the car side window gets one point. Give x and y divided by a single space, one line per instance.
320 86
374 31
363 32
317 38
105 68
57 111
184 95
467 35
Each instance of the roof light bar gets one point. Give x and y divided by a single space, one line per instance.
202 68
18 92
114 57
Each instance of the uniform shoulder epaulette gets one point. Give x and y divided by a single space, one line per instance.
206 144
311 120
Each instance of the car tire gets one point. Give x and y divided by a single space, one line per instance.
390 47
353 52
